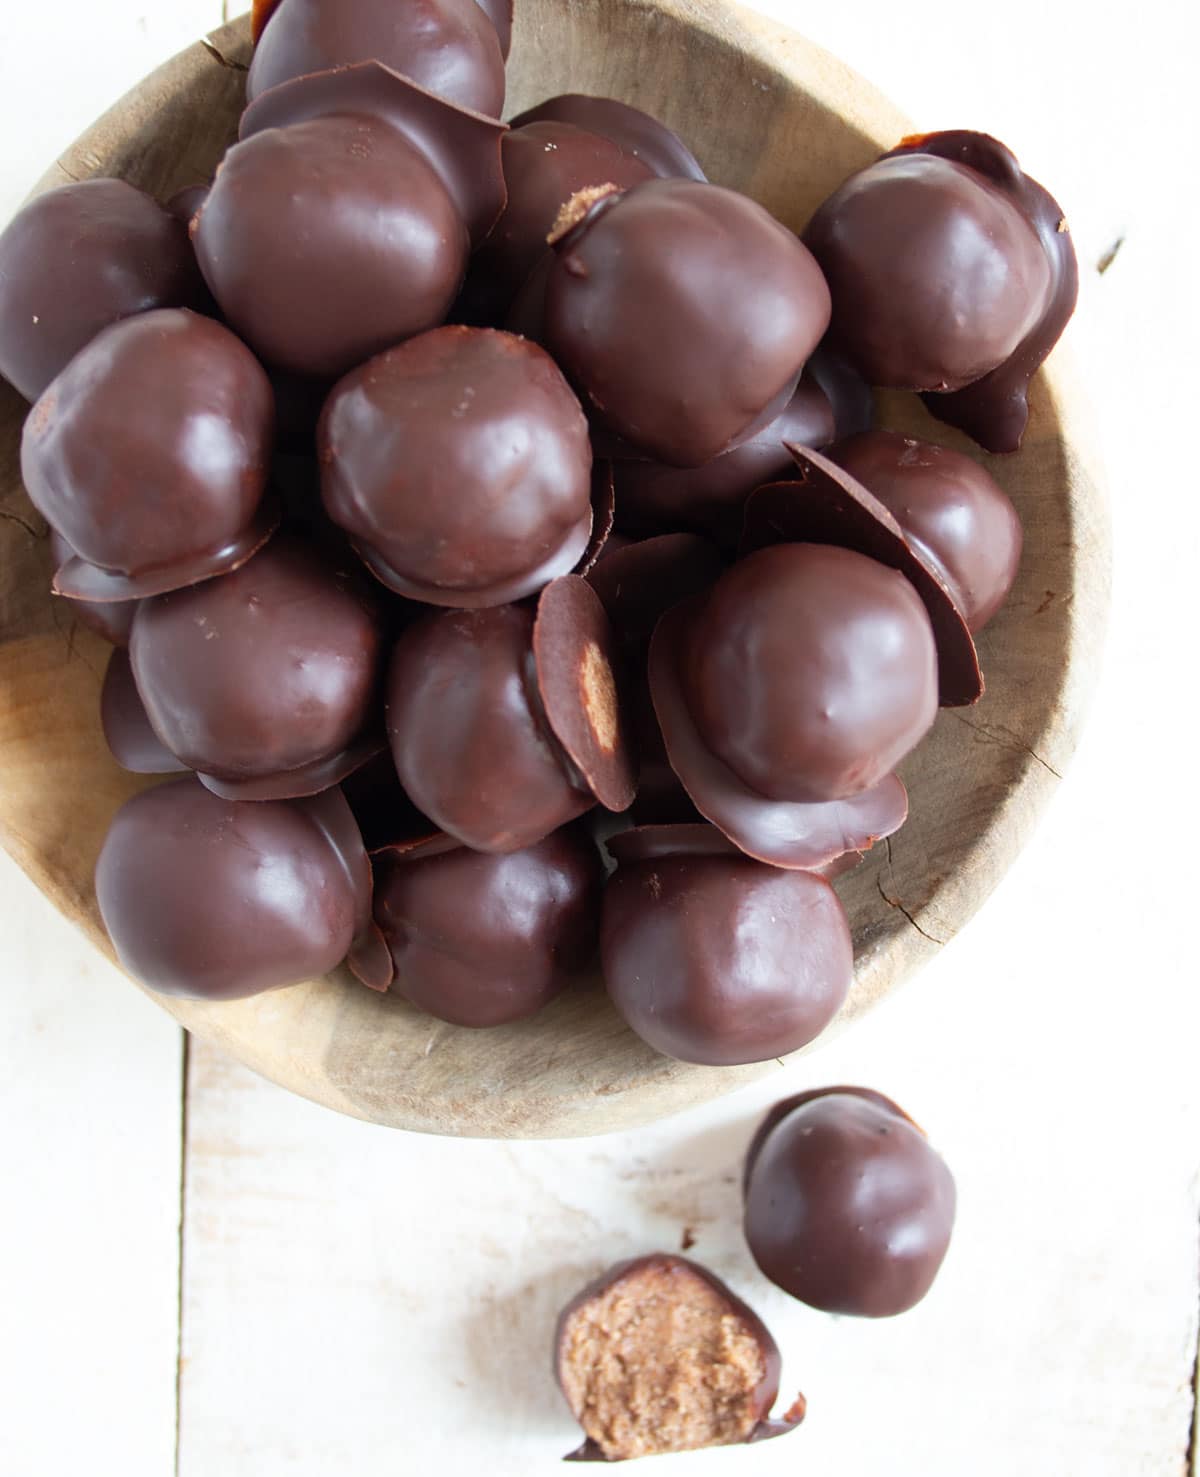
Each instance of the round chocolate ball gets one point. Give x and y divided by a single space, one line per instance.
639 312
75 260
951 509
721 960
811 671
218 899
936 275
449 47
150 452
460 466
385 247
483 940
264 671
847 1206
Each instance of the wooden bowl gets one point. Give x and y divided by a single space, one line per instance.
769 114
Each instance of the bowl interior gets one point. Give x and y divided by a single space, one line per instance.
766 113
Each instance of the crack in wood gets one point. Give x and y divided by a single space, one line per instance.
219 56
21 523
894 902
999 733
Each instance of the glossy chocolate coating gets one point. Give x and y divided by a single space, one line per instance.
811 672
127 731
184 204
460 466
638 312
850 397
149 454
936 275
215 899
657 146
721 960
995 408
483 940
112 619
448 46
847 1206
951 509
639 583
385 245
264 672
76 259
500 13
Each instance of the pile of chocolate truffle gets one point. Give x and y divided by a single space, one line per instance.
493 535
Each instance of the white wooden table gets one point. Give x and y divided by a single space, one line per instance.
354 1300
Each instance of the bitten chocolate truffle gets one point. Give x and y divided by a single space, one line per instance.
449 47
215 899
950 508
658 147
847 1206
721 960
631 315
77 259
658 1355
150 453
484 940
264 680
460 466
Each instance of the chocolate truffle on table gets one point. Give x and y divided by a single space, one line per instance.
657 146
639 314
216 899
149 454
848 1208
76 259
112 619
485 940
460 466
658 1355
951 509
265 680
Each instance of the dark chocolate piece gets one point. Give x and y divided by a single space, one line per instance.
500 13
951 510
658 1355
603 508
850 397
642 581
459 464
77 259
847 1206
637 133
644 842
149 454
185 203
721 960
127 731
268 674
629 314
484 940
449 47
384 813
113 619
825 505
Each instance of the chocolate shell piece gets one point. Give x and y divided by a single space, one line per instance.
485 940
848 1208
112 619
784 834
500 13
449 47
639 583
721 960
629 314
826 505
951 510
150 453
637 133
460 466
77 259
215 899
658 1355
127 731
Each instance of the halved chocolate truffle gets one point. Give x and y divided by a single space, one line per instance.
848 1208
77 259
149 454
658 147
658 1355
460 466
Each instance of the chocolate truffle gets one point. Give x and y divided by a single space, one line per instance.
657 146
449 47
951 509
721 960
639 313
811 672
127 731
847 1206
658 1355
266 674
460 466
483 940
149 454
76 259
217 899
112 619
